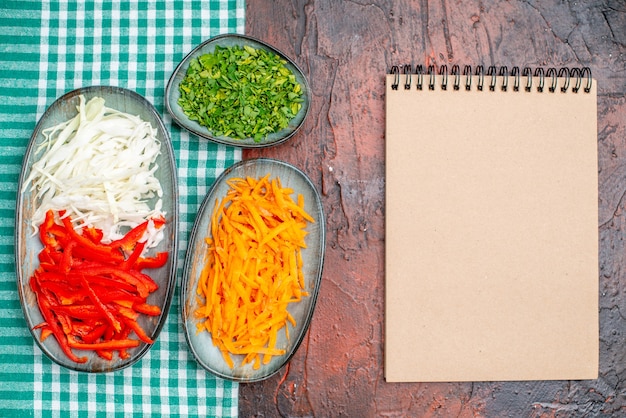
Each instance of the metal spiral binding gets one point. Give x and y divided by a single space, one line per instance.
504 73
431 77
480 72
456 72
467 72
396 80
539 73
557 79
407 81
515 75
492 71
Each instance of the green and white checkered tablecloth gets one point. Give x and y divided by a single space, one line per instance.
47 48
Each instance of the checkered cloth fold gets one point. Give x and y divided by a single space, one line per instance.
46 49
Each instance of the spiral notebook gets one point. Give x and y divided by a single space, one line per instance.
491 224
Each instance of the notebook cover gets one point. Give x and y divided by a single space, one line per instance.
491 235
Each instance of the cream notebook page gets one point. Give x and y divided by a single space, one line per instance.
491 231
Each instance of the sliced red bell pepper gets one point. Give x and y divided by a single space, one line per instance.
82 312
65 293
66 260
104 281
58 333
46 238
50 257
45 331
99 252
95 333
105 345
152 262
146 309
119 296
94 234
125 276
90 293
134 256
107 355
131 238
145 279
138 330
108 314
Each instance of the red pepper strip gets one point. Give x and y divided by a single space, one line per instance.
157 261
123 353
62 339
49 275
145 279
147 309
125 276
108 334
78 311
104 281
66 260
58 235
132 258
101 306
66 294
127 304
92 250
159 221
107 355
95 333
105 345
114 257
45 331
118 296
51 258
65 321
127 312
80 328
46 239
138 330
100 275
131 238
94 234
62 320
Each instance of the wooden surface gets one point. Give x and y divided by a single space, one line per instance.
345 48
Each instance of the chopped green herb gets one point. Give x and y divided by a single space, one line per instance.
240 92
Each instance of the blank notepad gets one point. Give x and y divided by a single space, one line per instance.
491 227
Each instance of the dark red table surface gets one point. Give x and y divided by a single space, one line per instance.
345 48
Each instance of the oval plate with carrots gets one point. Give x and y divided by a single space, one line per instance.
94 305
253 270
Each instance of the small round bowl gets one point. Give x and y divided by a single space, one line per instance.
172 93
28 246
201 344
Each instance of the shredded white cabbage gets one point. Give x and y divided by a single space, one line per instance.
99 167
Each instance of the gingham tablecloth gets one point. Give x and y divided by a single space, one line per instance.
46 49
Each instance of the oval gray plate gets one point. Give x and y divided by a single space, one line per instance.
172 93
28 246
200 344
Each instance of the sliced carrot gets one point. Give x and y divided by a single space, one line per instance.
253 269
